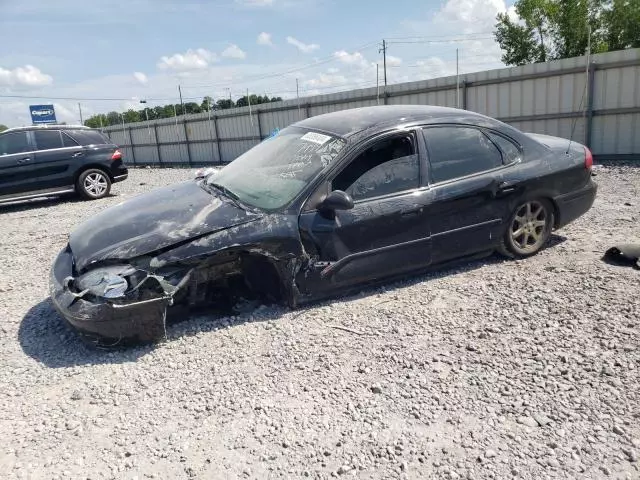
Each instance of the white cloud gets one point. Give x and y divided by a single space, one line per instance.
264 39
140 77
333 70
353 59
479 14
303 47
233 51
325 80
393 61
27 76
190 60
255 3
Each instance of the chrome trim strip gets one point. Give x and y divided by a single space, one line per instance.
35 194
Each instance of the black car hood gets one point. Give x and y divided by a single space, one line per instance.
153 221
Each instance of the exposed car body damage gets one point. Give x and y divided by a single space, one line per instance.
327 205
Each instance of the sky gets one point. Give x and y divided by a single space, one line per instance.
110 55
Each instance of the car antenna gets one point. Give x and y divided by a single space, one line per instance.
584 93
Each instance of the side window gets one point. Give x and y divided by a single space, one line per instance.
88 137
14 143
47 139
389 166
67 141
459 151
510 152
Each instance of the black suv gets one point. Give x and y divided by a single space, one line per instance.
50 160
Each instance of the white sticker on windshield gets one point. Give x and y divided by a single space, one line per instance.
316 138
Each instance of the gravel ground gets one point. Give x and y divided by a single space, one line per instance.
494 369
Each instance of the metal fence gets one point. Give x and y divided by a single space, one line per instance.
598 105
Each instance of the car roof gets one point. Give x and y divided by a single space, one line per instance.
47 127
346 123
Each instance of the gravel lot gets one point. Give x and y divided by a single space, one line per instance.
494 369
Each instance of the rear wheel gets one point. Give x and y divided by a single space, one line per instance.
93 184
529 229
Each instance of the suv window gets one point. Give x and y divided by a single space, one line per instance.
459 151
510 152
14 143
47 139
67 141
389 166
88 137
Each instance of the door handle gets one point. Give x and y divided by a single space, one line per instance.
24 160
77 154
506 187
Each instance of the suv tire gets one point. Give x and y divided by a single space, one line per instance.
93 184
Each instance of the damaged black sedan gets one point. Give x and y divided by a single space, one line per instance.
327 205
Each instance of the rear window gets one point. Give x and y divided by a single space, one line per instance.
88 137
47 139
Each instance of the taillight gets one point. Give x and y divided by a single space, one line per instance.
117 155
588 159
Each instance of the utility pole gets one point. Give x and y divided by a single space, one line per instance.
384 61
457 82
298 97
249 103
80 109
377 84
181 103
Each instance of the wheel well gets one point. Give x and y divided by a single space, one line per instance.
84 168
556 212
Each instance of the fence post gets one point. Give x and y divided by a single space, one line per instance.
464 94
306 110
215 125
186 137
155 137
133 154
259 126
589 120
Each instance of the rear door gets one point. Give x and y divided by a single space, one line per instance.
385 233
16 164
57 158
471 199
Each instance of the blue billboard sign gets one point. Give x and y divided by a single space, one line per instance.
42 114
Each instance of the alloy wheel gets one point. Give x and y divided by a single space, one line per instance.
95 184
528 226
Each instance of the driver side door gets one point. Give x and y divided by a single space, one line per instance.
385 233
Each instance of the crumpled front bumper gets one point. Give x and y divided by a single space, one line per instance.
102 322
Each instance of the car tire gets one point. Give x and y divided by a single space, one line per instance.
93 184
529 229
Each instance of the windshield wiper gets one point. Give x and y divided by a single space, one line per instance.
229 194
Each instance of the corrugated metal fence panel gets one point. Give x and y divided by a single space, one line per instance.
171 133
204 153
146 155
553 90
201 130
233 149
269 121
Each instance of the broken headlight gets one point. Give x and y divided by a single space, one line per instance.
106 282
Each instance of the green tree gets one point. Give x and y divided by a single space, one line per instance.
131 116
3 128
224 103
553 29
207 104
622 19
113 118
192 107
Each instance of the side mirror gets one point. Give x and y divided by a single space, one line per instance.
337 200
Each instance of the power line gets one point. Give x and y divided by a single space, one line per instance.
331 58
